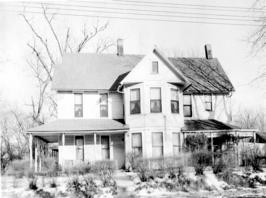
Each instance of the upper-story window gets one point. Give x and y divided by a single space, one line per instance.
208 102
155 68
104 105
135 101
156 103
78 106
187 103
174 101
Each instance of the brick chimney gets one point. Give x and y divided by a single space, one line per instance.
208 51
120 48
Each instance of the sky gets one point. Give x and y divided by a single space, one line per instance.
229 44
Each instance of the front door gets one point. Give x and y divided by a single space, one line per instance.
105 147
79 148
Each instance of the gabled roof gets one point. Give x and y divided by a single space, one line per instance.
106 71
202 125
205 75
91 71
73 125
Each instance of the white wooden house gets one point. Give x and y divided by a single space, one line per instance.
113 104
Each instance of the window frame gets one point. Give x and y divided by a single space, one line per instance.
107 106
134 101
158 146
78 105
155 64
154 100
188 105
174 100
208 96
140 148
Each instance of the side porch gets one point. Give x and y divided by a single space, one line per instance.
221 137
71 142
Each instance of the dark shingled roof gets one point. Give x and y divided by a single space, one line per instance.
261 137
198 125
71 125
106 71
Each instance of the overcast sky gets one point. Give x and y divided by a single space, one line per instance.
229 44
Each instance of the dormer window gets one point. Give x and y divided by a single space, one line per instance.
78 106
208 102
155 69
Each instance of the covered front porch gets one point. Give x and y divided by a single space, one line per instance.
75 141
221 136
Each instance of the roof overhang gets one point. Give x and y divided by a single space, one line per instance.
85 126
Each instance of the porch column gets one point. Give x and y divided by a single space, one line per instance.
63 139
236 146
95 142
254 137
212 149
36 155
30 145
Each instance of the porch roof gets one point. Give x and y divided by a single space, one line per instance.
73 125
207 125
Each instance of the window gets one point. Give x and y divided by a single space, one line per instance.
78 107
104 105
137 144
176 143
69 140
187 106
174 101
208 102
156 105
134 101
157 144
155 69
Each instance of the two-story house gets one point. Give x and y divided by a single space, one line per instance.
113 104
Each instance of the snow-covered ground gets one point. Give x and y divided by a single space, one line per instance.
127 183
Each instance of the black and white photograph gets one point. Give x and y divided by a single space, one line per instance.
133 98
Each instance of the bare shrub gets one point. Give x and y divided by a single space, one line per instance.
251 156
200 160
104 166
131 159
33 184
20 168
196 142
50 166
82 187
79 168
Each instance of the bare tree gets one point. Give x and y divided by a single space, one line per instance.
14 141
45 57
249 119
258 37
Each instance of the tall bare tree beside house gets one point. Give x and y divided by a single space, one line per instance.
46 51
258 37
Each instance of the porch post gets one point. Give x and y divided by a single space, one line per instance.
95 142
212 149
30 144
254 137
237 152
36 155
63 139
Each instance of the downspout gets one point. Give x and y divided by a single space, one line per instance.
165 135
